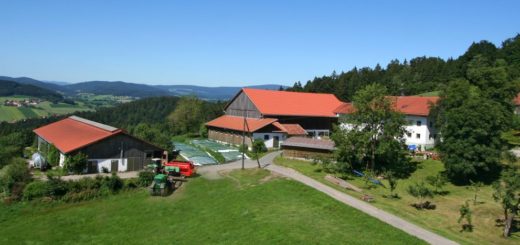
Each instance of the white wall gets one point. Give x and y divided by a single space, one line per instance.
62 160
107 163
269 143
422 136
425 140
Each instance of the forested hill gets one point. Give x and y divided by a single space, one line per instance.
421 74
116 88
8 88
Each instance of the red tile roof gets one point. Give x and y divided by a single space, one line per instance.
344 108
415 105
283 103
290 129
73 133
408 105
237 123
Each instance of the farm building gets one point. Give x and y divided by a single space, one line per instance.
420 130
274 116
105 146
308 148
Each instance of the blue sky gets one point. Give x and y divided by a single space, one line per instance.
235 43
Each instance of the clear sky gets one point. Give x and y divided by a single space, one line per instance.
235 43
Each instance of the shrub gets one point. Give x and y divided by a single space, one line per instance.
438 181
57 187
465 214
259 146
104 170
84 195
36 189
145 178
76 164
420 191
131 184
53 156
113 183
13 178
243 148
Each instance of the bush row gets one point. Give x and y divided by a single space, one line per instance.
78 190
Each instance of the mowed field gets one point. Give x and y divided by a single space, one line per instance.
442 220
245 207
11 114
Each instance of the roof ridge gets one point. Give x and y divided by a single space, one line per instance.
94 124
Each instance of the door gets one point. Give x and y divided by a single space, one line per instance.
114 166
276 141
92 167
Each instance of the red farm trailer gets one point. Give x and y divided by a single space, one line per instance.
186 167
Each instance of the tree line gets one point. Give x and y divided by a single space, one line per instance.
418 75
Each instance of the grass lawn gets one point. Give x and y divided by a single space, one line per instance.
249 206
442 220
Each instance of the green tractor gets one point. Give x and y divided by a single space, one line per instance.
162 185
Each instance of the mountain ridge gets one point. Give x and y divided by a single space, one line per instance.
121 88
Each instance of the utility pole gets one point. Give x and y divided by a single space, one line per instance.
243 139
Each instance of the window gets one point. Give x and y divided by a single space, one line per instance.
418 136
409 135
419 123
266 137
431 124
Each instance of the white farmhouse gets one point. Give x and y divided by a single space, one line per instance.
420 128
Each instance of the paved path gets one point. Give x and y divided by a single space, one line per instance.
267 163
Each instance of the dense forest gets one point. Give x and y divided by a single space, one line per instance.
418 75
8 88
147 118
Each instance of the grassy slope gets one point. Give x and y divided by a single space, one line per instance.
443 220
10 114
241 209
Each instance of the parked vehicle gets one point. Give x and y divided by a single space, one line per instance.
186 168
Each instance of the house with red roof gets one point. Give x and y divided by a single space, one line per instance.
420 130
273 116
106 147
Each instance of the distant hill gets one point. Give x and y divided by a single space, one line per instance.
34 82
210 93
116 88
119 88
8 88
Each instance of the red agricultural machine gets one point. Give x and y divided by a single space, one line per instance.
169 176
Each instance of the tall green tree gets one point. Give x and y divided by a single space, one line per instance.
188 115
372 133
470 125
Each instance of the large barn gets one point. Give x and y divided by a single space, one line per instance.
273 116
105 146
